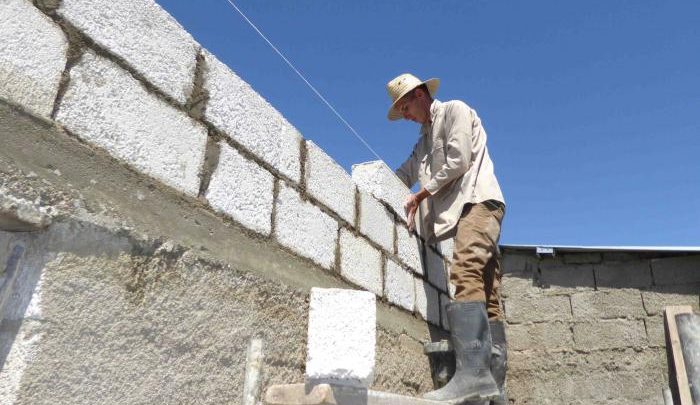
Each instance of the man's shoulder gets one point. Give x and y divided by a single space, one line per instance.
456 107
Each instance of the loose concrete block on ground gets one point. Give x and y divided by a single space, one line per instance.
329 183
377 179
676 270
32 57
427 302
408 249
375 222
144 35
243 115
540 336
537 309
610 334
435 269
304 228
608 303
629 274
243 190
106 106
341 337
399 287
360 263
656 301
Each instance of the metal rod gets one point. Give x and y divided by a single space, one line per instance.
254 362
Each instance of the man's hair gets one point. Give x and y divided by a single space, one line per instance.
424 88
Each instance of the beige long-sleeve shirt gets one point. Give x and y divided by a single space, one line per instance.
451 161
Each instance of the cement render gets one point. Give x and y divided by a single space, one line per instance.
131 317
242 189
32 56
107 107
142 34
243 115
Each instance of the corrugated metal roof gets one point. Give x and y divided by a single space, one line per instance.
569 248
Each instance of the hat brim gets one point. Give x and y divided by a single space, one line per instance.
431 84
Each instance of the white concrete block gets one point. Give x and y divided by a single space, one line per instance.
377 179
376 222
341 337
107 107
427 302
360 263
399 287
304 228
436 269
32 56
237 110
408 248
144 35
329 183
243 190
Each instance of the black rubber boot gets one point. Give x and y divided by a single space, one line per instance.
471 340
499 360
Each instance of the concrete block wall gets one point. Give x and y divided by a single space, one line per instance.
587 327
127 79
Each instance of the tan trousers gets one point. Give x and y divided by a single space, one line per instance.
475 270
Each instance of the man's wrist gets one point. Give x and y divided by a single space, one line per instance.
422 195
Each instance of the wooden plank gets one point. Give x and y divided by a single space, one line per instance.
673 339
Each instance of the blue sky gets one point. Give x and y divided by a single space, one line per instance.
592 108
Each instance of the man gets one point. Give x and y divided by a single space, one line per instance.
459 197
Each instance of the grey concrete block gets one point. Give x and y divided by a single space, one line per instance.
375 222
329 183
243 190
656 332
377 179
107 107
427 302
629 274
610 334
242 114
304 228
582 258
144 35
360 263
656 300
514 285
517 262
540 336
399 288
570 361
32 57
537 309
446 247
557 275
607 304
676 270
409 249
436 270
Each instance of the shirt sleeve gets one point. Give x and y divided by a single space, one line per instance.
408 171
458 149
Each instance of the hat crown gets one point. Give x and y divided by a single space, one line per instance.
401 85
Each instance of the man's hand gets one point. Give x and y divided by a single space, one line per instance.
410 205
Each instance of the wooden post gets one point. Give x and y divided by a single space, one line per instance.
675 353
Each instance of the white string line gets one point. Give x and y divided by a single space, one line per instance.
305 81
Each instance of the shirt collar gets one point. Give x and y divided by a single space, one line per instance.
434 109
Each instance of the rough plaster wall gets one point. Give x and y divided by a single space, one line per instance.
587 328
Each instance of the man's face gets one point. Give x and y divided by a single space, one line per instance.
411 107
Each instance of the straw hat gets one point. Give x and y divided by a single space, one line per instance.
401 85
